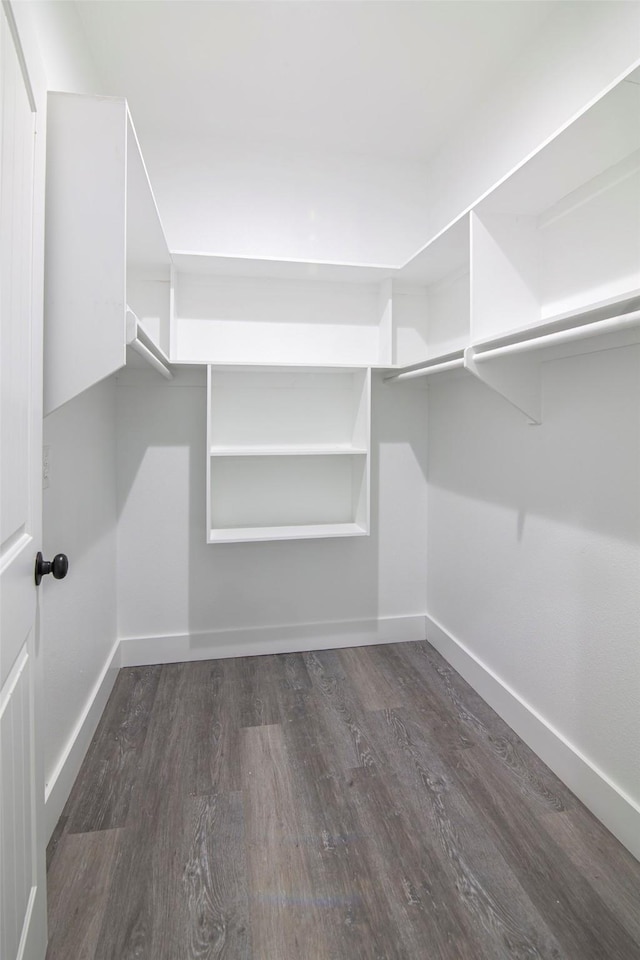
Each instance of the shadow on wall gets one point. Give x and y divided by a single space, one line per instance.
580 467
172 582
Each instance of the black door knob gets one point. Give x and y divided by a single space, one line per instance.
58 567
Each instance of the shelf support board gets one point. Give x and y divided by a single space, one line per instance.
514 378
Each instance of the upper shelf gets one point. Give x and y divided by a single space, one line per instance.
105 246
557 238
606 134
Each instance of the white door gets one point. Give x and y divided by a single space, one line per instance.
22 841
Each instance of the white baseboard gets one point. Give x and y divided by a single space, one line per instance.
59 784
617 811
254 641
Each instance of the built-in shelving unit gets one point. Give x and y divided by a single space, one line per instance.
105 246
545 264
288 453
553 261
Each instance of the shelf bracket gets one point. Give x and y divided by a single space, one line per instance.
515 378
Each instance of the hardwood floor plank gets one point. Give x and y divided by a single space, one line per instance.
289 671
283 905
357 920
607 866
484 728
102 793
214 895
253 683
492 908
141 899
215 718
577 915
341 710
374 688
78 886
409 874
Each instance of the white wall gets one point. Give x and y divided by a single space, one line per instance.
79 509
68 61
171 582
533 556
79 619
255 201
581 50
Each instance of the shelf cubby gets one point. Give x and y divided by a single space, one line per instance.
288 454
278 494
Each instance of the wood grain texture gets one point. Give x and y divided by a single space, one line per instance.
285 912
338 805
102 792
78 886
211 908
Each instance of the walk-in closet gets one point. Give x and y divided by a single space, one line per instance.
321 409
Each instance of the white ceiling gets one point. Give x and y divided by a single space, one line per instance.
390 79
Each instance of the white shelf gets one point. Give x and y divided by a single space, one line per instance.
606 134
288 454
561 235
294 532
292 450
105 246
270 320
554 262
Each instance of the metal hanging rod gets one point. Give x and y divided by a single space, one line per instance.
586 330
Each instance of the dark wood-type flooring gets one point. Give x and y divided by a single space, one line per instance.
360 804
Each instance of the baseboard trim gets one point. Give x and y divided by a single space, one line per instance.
255 641
617 811
59 784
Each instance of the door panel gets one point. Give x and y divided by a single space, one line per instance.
22 873
16 839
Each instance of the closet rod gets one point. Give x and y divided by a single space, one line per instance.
456 364
597 328
144 351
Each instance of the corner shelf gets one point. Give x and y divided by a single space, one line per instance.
554 260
